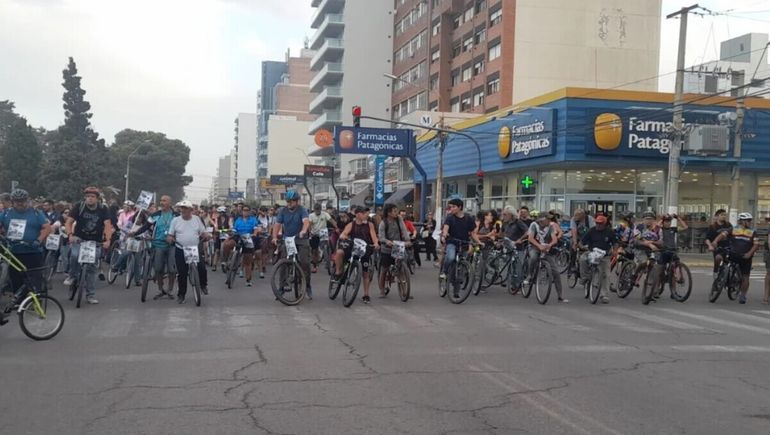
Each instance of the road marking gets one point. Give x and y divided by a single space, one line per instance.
717 321
661 320
714 348
617 323
557 321
749 317
117 323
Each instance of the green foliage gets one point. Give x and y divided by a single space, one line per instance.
20 154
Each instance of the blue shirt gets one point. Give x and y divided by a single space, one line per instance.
291 220
33 222
247 226
162 224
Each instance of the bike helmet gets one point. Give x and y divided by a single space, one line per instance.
292 195
221 209
19 195
745 217
534 213
92 191
129 203
648 215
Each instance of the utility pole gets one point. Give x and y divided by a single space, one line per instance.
736 170
672 186
438 194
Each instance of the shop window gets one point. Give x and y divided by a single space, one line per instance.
763 202
551 183
600 181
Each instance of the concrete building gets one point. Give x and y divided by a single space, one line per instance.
245 151
224 177
272 74
354 48
481 55
739 59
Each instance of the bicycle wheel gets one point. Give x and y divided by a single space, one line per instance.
334 288
146 275
626 279
114 259
526 289
572 277
43 321
478 272
81 284
459 287
232 269
130 269
543 284
51 261
734 284
492 270
195 283
562 261
717 285
288 282
647 288
443 283
594 287
352 283
404 284
680 286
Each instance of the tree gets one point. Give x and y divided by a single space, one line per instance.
20 157
157 166
74 155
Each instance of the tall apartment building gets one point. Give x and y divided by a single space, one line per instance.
354 48
478 56
739 59
245 151
272 74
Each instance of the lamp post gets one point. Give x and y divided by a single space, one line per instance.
128 168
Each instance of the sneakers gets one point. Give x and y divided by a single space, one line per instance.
366 299
309 294
248 283
91 300
442 276
742 299
563 301
261 275
604 300
180 300
69 281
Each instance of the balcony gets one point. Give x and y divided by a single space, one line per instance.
330 51
330 98
327 120
331 27
326 7
330 73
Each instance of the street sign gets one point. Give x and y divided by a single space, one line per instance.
426 120
318 171
379 180
286 180
235 195
377 141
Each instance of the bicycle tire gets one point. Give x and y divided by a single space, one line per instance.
572 278
478 271
562 261
334 288
543 284
492 271
81 284
51 261
716 286
404 284
526 290
681 292
296 278
460 285
626 279
232 269
130 260
195 283
594 287
443 283
352 284
146 274
647 288
734 284
114 258
47 303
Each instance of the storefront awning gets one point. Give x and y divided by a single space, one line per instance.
401 196
360 198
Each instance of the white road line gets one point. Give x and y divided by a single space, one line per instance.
558 321
660 320
744 316
763 312
617 323
722 322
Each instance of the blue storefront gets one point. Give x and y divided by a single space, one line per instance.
544 153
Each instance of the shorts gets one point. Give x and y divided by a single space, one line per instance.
743 264
665 257
165 260
315 242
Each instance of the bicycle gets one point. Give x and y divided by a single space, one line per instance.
617 264
352 273
134 248
458 275
729 276
41 316
87 259
563 254
52 246
327 253
573 269
678 278
288 277
541 280
148 271
191 257
113 258
399 271
236 257
593 285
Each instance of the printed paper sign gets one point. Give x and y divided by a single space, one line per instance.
144 200
16 229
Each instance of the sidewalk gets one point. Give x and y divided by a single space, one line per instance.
693 259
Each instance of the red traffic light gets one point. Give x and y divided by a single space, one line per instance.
356 110
480 173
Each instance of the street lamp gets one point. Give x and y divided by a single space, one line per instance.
128 167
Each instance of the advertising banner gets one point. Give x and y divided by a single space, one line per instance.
376 141
528 135
379 180
318 171
286 180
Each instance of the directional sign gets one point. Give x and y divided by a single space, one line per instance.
379 180
318 171
235 195
286 180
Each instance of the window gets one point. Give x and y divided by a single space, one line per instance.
493 86
478 98
455 51
465 103
457 21
433 106
468 15
494 52
480 5
436 29
478 67
435 56
434 82
455 77
480 36
466 73
454 105
495 17
359 166
468 43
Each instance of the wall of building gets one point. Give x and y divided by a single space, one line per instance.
288 142
590 43
223 178
246 144
292 95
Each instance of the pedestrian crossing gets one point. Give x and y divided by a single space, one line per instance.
755 274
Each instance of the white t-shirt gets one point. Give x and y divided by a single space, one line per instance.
186 232
318 222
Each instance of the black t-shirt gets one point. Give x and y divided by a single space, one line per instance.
602 239
516 230
89 223
460 228
717 229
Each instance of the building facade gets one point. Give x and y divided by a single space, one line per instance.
245 151
272 74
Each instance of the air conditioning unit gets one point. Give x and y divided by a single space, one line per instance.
708 140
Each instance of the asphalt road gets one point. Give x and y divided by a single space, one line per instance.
243 363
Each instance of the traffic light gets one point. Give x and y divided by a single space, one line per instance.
356 116
479 187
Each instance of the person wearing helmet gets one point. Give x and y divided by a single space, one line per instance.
246 232
265 223
222 226
91 222
26 230
600 236
165 254
319 220
625 229
543 236
743 245
187 230
294 221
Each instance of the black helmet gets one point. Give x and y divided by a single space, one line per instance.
629 216
19 195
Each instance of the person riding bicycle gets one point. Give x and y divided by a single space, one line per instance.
543 236
647 238
600 236
319 220
92 223
392 228
165 254
359 228
743 244
579 226
517 231
717 227
294 221
26 230
186 230
457 229
625 229
247 231
265 223
221 228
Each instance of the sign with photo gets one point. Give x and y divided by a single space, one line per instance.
144 200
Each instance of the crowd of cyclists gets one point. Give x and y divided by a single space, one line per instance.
36 230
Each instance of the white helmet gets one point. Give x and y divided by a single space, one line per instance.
184 204
221 209
129 203
745 217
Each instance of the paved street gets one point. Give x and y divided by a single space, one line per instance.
243 363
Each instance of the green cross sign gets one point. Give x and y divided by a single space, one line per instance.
527 181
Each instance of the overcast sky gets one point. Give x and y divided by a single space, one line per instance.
187 67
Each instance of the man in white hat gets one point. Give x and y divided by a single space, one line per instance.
187 230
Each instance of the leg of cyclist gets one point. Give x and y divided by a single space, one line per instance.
745 265
604 279
366 263
91 271
550 260
519 269
303 254
259 257
246 262
315 242
385 262
182 272
449 256
534 256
